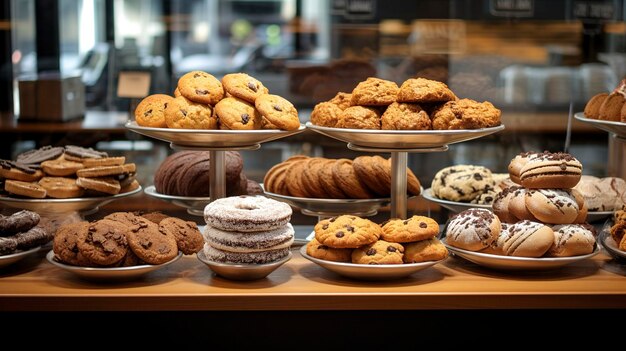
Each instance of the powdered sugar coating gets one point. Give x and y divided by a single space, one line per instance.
473 229
250 242
263 257
247 214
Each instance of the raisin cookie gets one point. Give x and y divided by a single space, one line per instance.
325 252
421 90
237 114
182 113
415 228
151 111
374 92
201 87
405 116
465 114
278 111
243 86
347 232
380 252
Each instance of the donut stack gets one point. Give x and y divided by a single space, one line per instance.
247 230
543 216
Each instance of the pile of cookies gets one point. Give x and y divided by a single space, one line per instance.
602 194
418 104
247 230
618 229
201 101
124 239
481 230
67 172
469 183
365 177
608 106
22 231
358 240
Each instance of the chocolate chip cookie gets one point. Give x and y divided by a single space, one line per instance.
415 228
237 114
347 231
150 244
379 252
278 111
243 86
201 87
325 252
103 242
188 237
182 113
151 111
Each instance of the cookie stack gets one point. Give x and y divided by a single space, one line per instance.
247 230
353 239
418 104
67 172
201 101
124 239
22 231
365 177
468 183
608 106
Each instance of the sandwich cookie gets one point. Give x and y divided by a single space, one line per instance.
261 257
551 170
275 239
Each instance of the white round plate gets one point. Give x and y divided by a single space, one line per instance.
609 245
403 139
618 128
453 206
194 205
6 260
109 274
242 271
512 263
212 138
370 271
60 206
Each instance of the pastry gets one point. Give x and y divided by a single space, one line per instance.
572 240
554 206
247 214
501 203
497 246
379 252
473 229
528 239
325 252
200 87
430 249
151 111
516 165
347 231
518 207
374 92
415 228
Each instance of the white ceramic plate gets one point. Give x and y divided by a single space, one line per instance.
6 260
609 245
402 139
212 138
453 206
109 274
618 128
60 206
369 271
242 271
511 263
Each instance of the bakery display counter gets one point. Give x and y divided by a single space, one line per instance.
34 284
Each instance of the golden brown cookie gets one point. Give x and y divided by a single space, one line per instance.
415 228
327 181
611 107
61 167
182 113
201 87
107 185
27 189
294 179
243 86
359 117
310 177
129 187
177 92
374 92
64 244
342 100
188 236
347 179
60 187
373 171
347 231
18 171
592 108
421 90
237 114
405 116
425 250
380 252
413 185
465 114
151 111
104 171
278 111
324 252
325 114
102 242
150 244
104 161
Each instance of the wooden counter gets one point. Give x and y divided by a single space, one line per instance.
188 285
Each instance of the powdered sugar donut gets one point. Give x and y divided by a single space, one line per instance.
250 242
262 257
473 229
247 214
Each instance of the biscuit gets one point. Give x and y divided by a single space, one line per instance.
20 221
104 171
104 161
473 229
310 179
415 228
129 187
324 252
37 156
346 178
342 100
326 114
278 111
79 153
465 114
19 171
60 187
107 185
379 252
243 86
347 231
462 183
102 242
327 181
237 114
150 244
374 92
430 249
65 244
188 237
27 189
371 170
151 111
61 167
182 113
359 117
405 116
421 90
592 108
201 87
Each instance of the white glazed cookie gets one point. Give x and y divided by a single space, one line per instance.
247 213
527 239
474 229
462 182
554 206
572 240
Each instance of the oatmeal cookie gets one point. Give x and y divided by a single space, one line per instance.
374 92
421 90
359 117
405 116
326 114
465 114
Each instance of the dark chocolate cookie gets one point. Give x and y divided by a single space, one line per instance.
35 236
82 152
150 244
37 156
103 242
187 234
18 222
7 246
